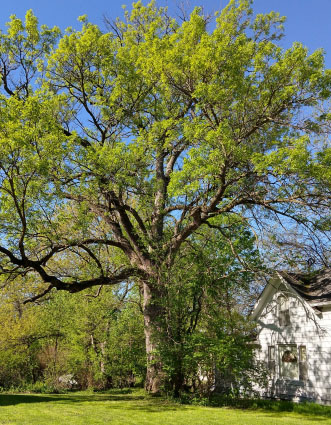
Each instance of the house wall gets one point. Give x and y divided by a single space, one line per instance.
306 328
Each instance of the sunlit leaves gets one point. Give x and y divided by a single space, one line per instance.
139 135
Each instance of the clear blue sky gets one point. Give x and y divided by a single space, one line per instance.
308 21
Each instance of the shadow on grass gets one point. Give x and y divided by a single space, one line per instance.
274 406
139 401
123 401
12 399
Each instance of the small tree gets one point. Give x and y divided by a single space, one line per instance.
208 295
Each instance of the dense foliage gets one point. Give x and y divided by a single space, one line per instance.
208 296
96 340
78 341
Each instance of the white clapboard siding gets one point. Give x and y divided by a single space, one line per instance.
308 327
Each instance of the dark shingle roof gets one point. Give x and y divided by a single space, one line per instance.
314 287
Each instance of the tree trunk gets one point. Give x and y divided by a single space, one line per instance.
178 385
178 378
152 315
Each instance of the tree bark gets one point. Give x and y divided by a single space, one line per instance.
178 382
152 310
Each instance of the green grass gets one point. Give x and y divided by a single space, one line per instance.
136 408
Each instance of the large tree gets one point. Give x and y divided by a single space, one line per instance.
115 147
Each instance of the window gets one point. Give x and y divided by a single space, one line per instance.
288 362
283 311
303 366
271 359
293 362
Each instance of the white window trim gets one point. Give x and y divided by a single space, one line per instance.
278 356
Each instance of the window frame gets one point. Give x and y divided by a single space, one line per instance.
301 362
281 351
272 359
283 310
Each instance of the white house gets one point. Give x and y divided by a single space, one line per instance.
294 336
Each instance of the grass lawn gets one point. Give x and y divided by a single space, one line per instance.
135 408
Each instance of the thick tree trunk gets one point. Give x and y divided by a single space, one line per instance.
152 312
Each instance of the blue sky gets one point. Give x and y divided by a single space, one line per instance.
307 20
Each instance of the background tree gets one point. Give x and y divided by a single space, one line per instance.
102 340
20 338
98 342
137 137
208 297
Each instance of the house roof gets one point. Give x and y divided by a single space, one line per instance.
315 288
